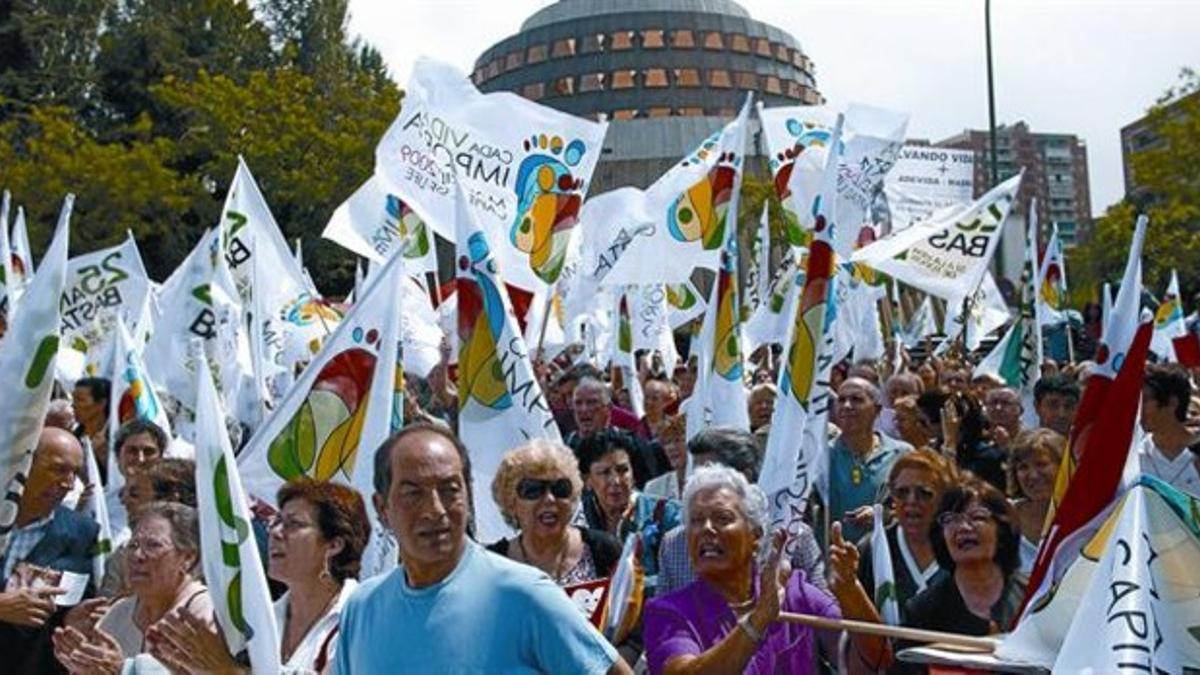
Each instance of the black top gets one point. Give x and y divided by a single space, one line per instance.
604 547
987 462
906 585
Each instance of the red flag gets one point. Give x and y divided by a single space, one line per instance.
1187 350
1101 439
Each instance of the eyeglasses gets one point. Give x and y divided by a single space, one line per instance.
151 547
918 493
975 518
532 489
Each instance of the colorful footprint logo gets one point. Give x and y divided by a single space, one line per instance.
321 439
480 323
1051 290
809 322
808 134
727 345
1170 310
548 201
414 235
700 212
307 310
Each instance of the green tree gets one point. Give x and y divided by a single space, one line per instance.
47 49
1169 172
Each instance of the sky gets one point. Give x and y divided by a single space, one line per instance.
1086 67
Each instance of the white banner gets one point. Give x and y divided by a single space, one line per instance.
925 180
101 287
376 225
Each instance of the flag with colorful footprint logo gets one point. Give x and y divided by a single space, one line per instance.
233 571
794 458
500 403
377 225
1052 282
1169 322
27 356
525 167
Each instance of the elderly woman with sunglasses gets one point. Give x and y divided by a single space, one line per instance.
537 488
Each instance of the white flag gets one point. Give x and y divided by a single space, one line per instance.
22 257
7 304
798 142
771 320
99 507
1052 281
986 312
1169 321
650 311
920 325
682 218
881 566
500 401
685 302
233 571
623 356
377 225
947 255
27 357
523 166
101 287
758 276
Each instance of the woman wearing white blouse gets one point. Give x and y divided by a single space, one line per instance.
316 545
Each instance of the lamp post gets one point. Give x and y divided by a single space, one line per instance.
994 168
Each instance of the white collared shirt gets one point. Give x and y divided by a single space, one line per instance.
304 657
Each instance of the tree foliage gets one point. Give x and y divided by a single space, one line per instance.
1169 172
141 107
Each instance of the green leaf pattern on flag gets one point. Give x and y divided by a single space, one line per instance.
46 350
230 549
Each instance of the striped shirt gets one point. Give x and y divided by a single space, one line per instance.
21 542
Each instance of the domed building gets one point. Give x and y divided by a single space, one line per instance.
666 73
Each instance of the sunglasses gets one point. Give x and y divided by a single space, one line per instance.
532 489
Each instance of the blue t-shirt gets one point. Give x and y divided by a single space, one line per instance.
490 615
854 483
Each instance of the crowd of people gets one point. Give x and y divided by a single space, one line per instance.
964 473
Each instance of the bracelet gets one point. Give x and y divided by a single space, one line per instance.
749 629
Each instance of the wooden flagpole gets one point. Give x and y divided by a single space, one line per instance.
975 644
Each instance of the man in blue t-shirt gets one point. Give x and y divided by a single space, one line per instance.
452 606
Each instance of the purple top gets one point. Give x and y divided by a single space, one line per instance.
693 619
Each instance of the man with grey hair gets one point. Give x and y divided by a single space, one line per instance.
593 408
860 458
717 446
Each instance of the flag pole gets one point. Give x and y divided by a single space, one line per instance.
545 321
972 643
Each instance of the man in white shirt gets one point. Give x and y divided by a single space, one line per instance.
1169 451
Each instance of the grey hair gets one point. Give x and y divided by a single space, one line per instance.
716 476
872 390
184 522
591 383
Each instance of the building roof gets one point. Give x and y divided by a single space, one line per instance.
568 10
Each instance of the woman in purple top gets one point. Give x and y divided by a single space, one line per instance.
725 621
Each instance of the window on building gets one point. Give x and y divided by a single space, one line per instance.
774 86
653 39
713 40
687 77
795 89
723 112
626 114
739 43
564 86
536 54
691 111
621 40
659 112
762 47
744 80
719 79
477 76
683 39
534 91
563 48
654 78
593 43
624 79
493 69
591 82
782 53
514 60
798 60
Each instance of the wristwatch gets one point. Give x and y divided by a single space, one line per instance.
749 629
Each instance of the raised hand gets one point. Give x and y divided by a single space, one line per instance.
770 584
843 561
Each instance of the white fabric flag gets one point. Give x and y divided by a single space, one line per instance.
7 304
200 300
1128 602
987 312
317 430
719 397
1169 321
685 302
881 565
27 357
796 454
377 225
924 180
771 320
682 218
101 287
233 571
920 325
650 313
947 255
22 257
623 355
798 142
524 167
758 275
1052 282
1106 301
500 401
858 328
99 508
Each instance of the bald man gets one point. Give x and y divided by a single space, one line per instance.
48 535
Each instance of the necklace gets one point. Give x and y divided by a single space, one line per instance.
857 466
288 650
557 571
